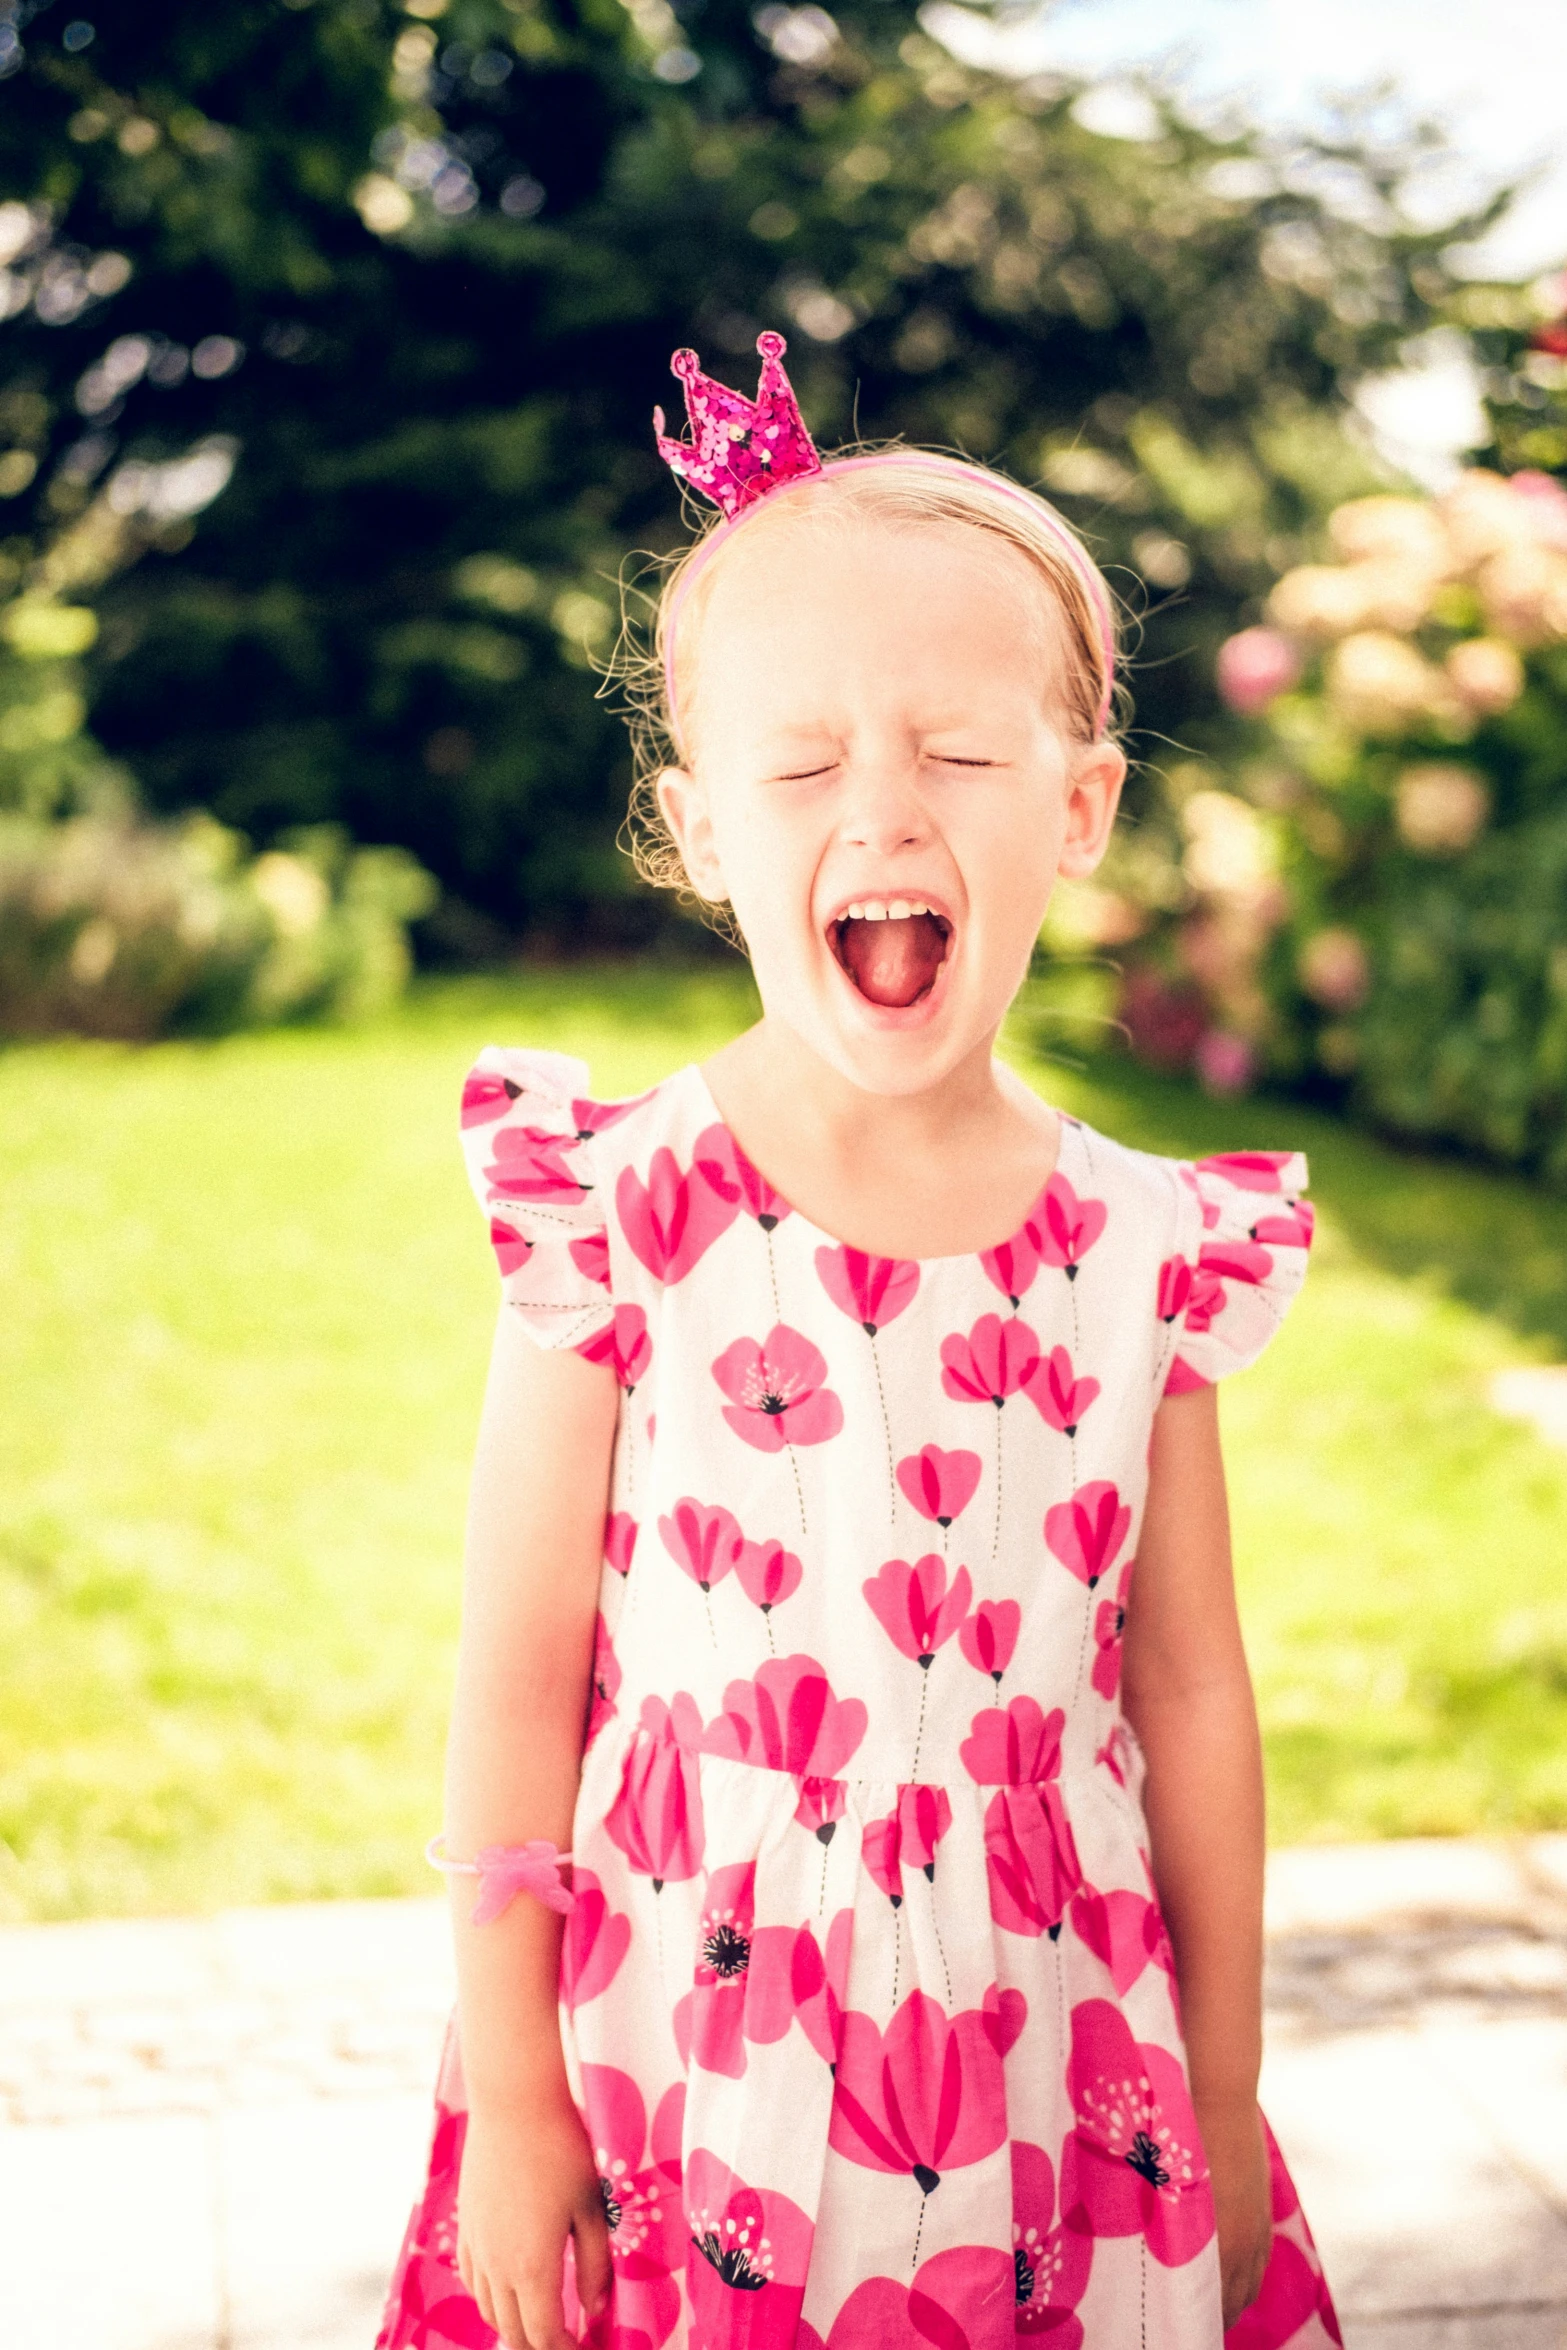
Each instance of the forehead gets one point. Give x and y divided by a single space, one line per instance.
830 594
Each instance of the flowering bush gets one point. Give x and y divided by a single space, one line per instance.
1374 901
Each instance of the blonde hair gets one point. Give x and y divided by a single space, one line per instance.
656 668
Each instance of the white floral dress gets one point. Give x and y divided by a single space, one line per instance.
866 1997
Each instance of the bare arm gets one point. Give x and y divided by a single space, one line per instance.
1189 1698
534 1555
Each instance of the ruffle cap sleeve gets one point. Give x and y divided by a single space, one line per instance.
1253 1231
528 1128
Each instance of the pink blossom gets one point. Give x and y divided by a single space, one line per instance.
604 1682
914 1605
777 1391
641 2191
872 1291
672 1220
1235 1260
720 1162
768 1573
1012 1266
1248 1170
1207 1301
1109 1630
590 1255
1291 1227
926 2096
1057 1394
1293 2293
961 2299
1070 1225
1051 2262
1086 1532
821 1805
624 1344
704 1539
434 2308
819 1981
909 1834
787 1719
990 1636
1031 1861
1125 1930
997 1359
512 1249
597 1117
881 1851
530 1164
746 2261
1254 668
1225 1063
1015 1746
742 1985
486 1097
595 1941
1133 2164
656 1818
939 1484
1175 1287
620 1540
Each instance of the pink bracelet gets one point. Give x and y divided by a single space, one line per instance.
504 1871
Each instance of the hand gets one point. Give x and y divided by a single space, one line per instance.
528 2183
1242 2200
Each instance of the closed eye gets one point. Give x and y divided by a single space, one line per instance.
805 774
950 759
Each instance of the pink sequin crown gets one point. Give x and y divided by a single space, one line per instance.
739 449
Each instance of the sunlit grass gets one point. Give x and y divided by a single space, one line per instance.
247 1311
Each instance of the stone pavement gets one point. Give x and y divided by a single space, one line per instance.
211 2130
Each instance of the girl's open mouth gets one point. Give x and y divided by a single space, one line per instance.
891 948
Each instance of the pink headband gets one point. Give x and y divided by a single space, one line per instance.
743 451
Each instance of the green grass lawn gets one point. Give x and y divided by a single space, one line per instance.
247 1312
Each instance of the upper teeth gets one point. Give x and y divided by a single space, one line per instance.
885 909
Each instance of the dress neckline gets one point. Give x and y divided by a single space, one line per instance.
1071 1137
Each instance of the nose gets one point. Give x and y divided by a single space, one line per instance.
883 808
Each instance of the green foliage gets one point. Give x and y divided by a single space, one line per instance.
425 274
243 1358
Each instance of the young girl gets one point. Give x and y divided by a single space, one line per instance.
854 1798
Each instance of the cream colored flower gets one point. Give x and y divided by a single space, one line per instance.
1403 531
1335 970
1486 675
1229 851
1483 515
1524 591
1441 808
293 892
1378 684
1319 600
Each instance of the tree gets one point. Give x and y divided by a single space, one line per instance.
421 272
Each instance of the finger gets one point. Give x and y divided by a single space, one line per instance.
590 2240
508 2321
465 2262
542 2322
480 2289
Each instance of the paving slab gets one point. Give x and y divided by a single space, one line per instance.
211 2129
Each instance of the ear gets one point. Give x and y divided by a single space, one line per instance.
684 805
1093 794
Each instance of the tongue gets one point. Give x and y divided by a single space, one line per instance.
892 962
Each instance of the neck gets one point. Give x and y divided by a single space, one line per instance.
840 1120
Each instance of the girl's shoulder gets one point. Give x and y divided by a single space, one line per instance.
516 1085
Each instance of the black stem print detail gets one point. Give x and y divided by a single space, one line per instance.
658 1931
919 1727
1082 1645
927 2181
886 1427
707 1601
767 1223
733 2266
825 1833
1142 2284
767 1619
995 1533
897 1942
799 1490
935 1927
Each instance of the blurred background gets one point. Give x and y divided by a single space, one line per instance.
329 336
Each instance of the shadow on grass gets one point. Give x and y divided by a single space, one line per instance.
1495 1241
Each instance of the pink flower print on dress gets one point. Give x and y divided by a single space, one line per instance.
1057 1394
1293 2293
742 1985
1030 1852
704 1539
530 1163
777 1390
818 1984
989 1636
1249 1170
1133 2164
915 1606
435 2311
821 1805
1051 2262
1069 1226
872 1291
486 1097
656 1818
1086 1532
1013 1266
624 1344
787 1719
591 1118
620 1540
995 1360
748 2250
672 1220
512 1248
767 1573
595 1940
1292 1227
590 1255
1175 1287
1235 1260
604 1682
925 2096
1109 1631
961 2299
881 1849
640 2189
720 1161
1125 1930
940 1485
924 1815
